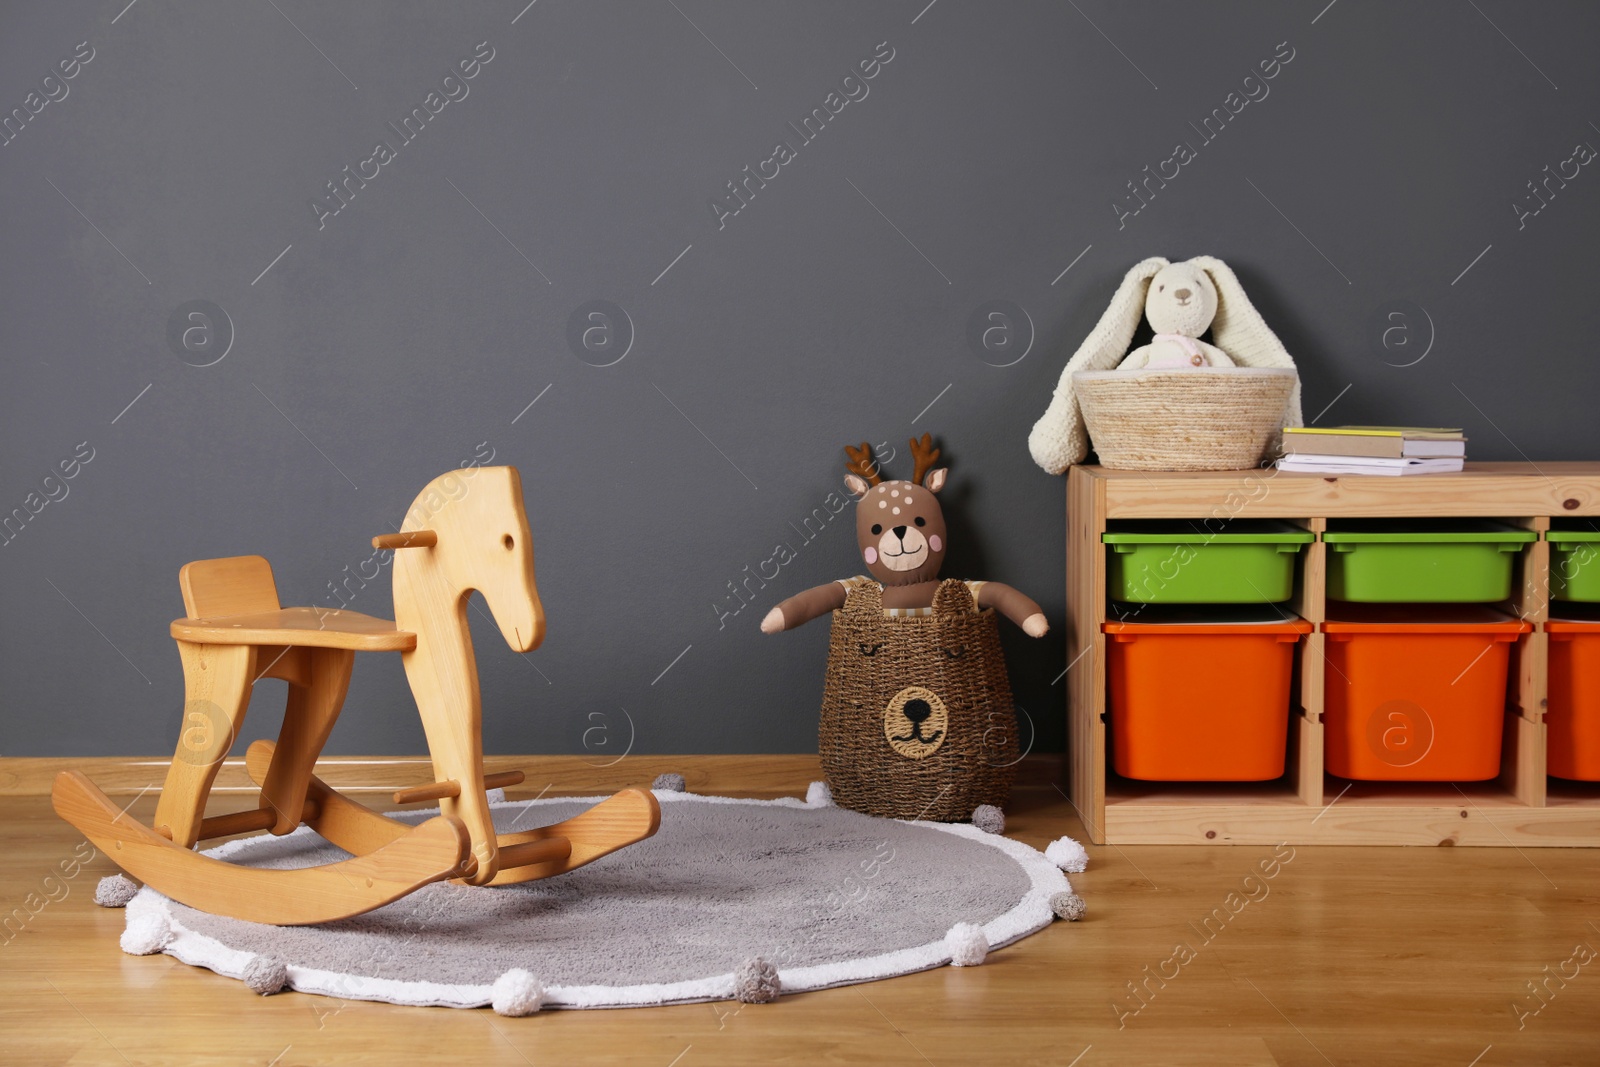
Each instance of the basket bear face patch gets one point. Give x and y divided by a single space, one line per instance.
916 722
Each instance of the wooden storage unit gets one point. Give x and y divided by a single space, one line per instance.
1307 806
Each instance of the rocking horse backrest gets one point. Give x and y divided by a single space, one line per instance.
235 585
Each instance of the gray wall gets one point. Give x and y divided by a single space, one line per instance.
419 322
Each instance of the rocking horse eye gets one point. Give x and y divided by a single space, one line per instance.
921 521
1161 288
508 542
876 529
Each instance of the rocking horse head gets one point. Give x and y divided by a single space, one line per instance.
899 524
474 535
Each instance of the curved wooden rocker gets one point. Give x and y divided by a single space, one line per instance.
467 531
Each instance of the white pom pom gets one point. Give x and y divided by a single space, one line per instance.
966 944
516 993
670 783
146 933
115 890
1067 854
496 796
818 795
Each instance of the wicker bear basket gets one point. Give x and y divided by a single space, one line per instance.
1200 419
917 716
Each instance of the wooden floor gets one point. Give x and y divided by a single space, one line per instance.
1343 956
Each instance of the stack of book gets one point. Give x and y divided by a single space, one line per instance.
1387 450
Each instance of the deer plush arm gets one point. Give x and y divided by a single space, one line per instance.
803 607
1014 605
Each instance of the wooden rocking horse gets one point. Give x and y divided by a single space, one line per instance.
466 531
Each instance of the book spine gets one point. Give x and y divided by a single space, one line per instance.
1339 445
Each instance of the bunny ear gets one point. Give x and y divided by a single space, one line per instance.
1058 439
1241 332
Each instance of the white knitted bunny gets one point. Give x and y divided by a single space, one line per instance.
1151 289
1180 303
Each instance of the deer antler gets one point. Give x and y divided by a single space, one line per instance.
862 464
925 456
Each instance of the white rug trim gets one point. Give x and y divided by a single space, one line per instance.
1030 914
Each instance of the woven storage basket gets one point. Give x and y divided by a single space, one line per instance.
1204 419
886 754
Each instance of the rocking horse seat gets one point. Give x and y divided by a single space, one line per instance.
303 627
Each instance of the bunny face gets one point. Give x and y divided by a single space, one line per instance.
1182 299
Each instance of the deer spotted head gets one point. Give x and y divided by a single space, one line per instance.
899 525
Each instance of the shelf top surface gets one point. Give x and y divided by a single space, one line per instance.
1557 488
1478 469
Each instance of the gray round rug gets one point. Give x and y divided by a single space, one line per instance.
825 896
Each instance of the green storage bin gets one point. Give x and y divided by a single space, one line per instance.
1455 561
1574 564
1240 562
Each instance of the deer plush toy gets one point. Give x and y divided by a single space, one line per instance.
917 717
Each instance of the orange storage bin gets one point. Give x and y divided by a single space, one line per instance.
1201 701
1412 694
1572 721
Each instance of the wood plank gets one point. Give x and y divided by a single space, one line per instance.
1306 737
747 775
1311 568
305 627
1574 827
1522 760
1303 768
1483 489
1181 823
217 680
1086 671
1532 603
308 718
234 585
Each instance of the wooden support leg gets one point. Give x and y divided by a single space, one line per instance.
307 720
216 681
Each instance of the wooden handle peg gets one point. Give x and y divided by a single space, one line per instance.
452 788
413 539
